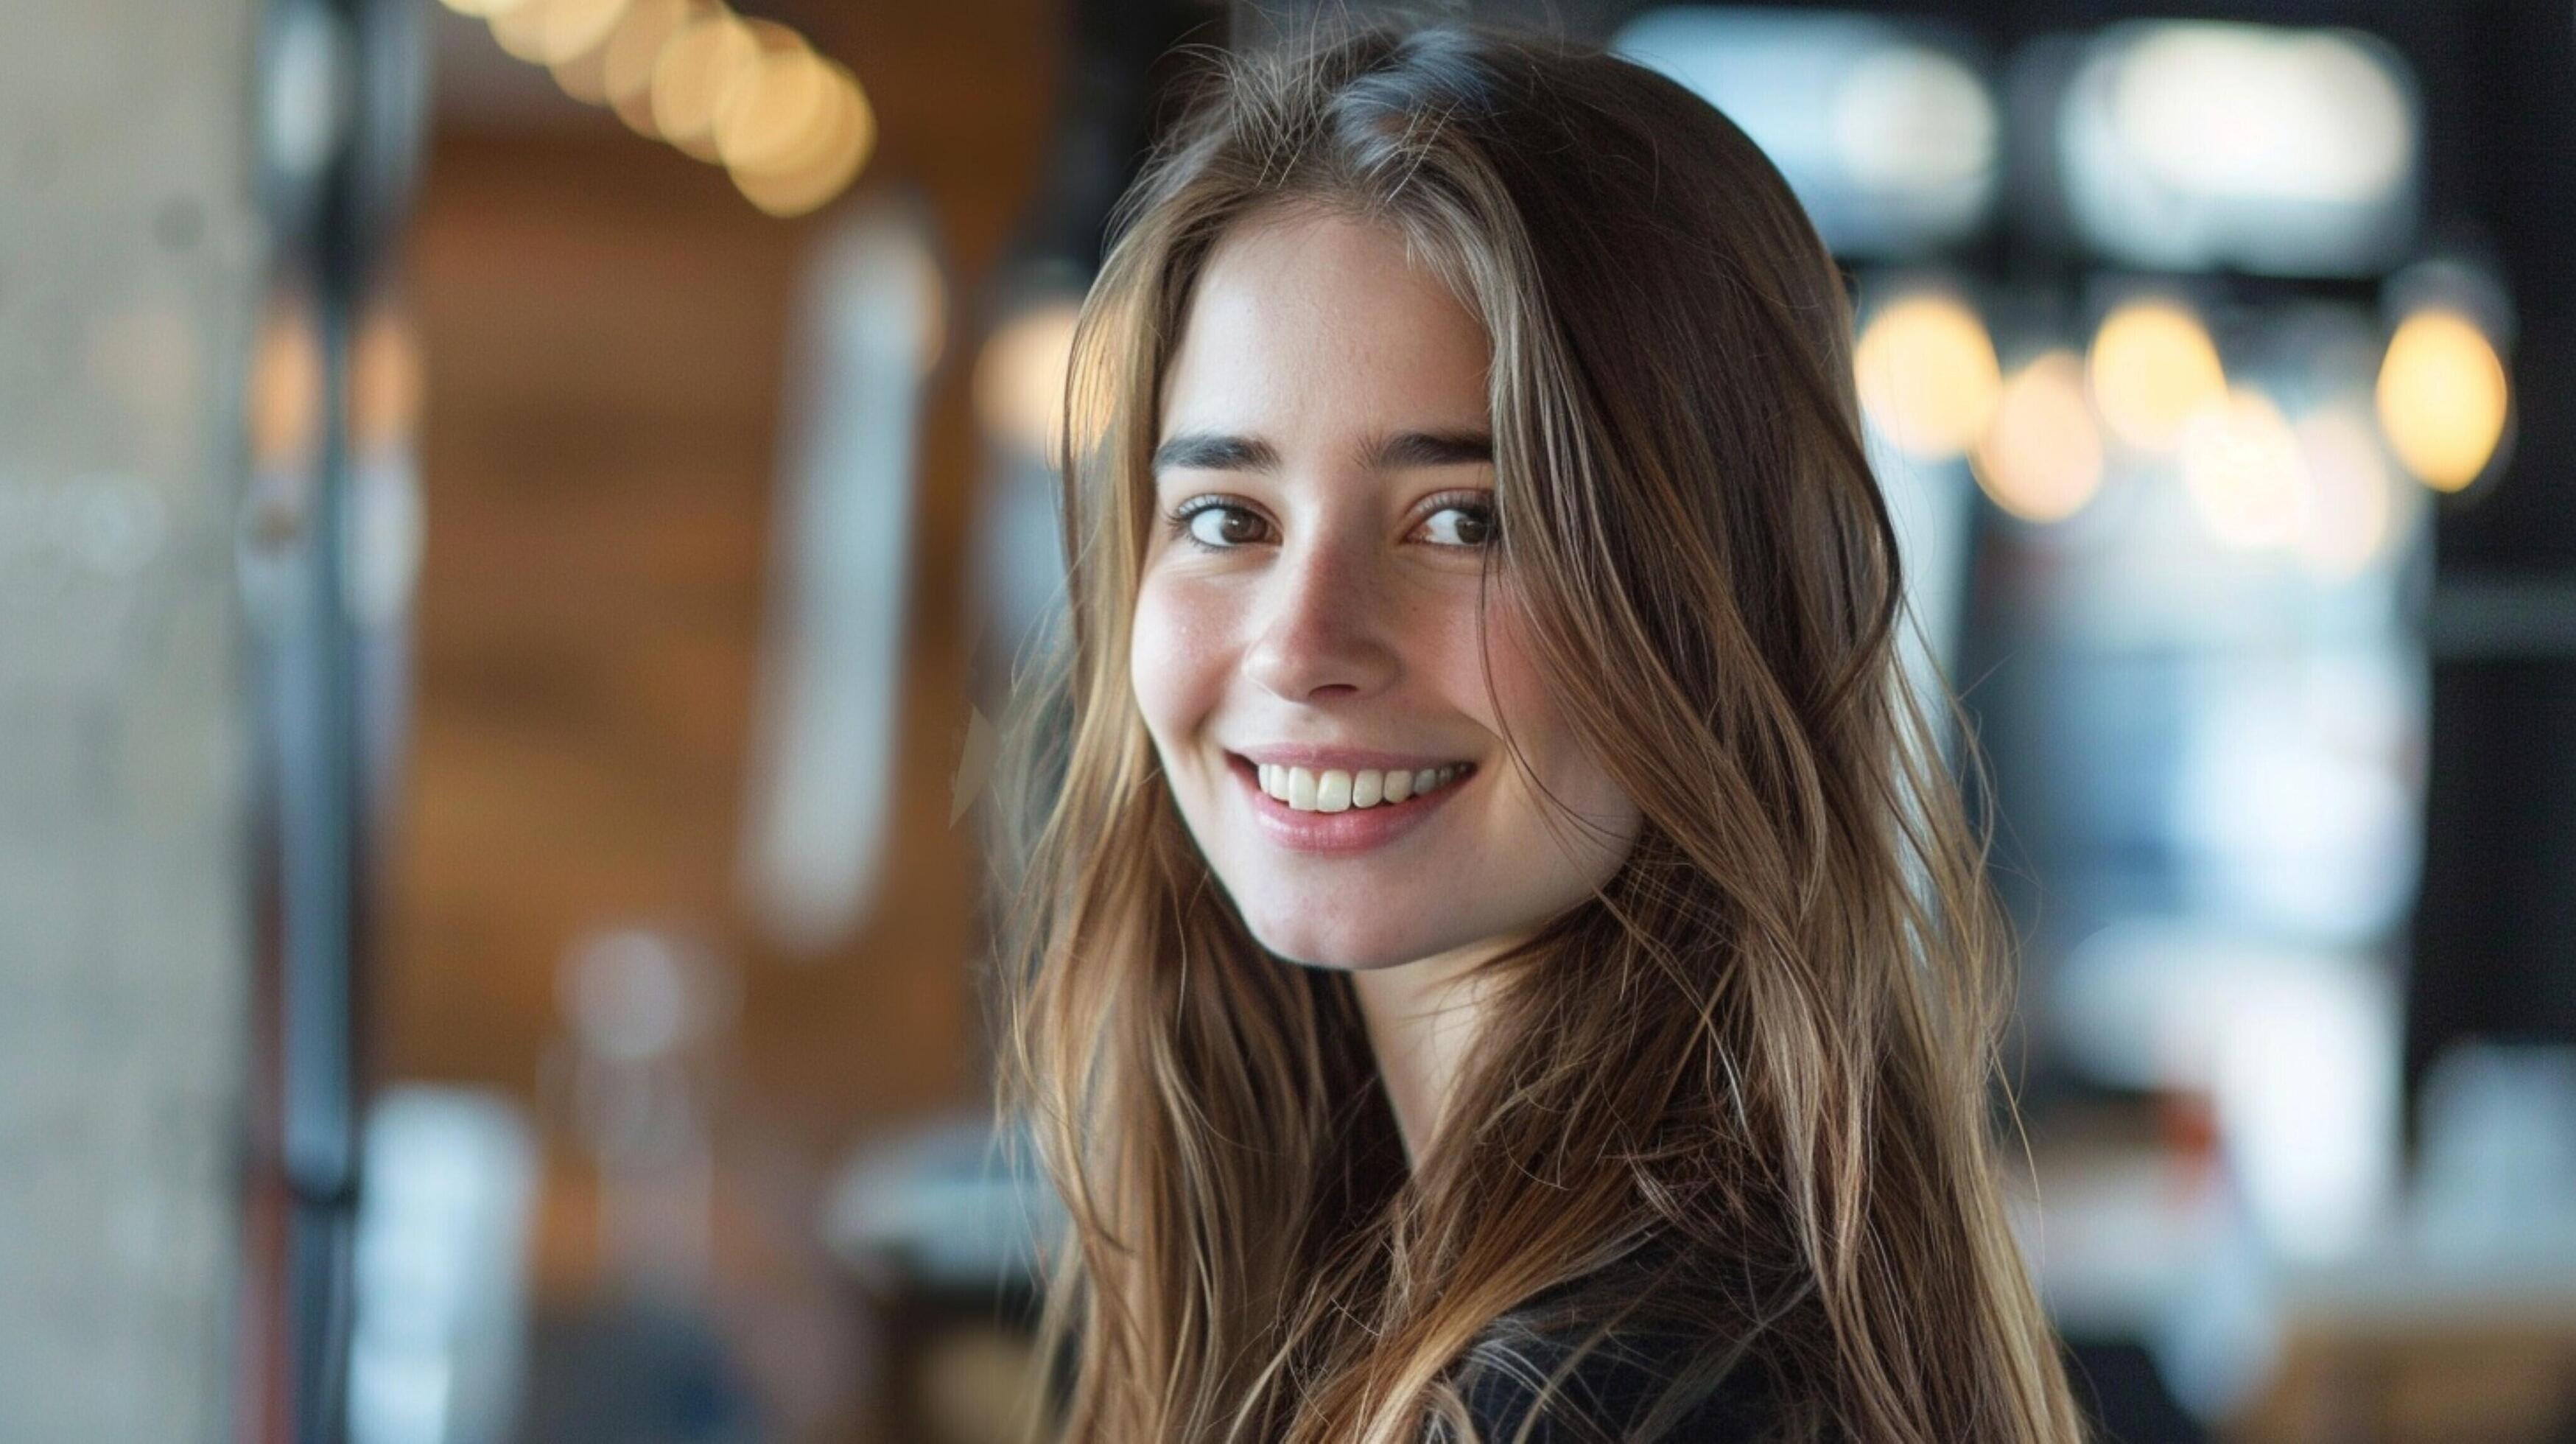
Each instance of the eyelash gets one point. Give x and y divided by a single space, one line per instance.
1474 502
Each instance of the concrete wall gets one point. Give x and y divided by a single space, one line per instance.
128 250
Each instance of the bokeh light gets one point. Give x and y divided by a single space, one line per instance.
791 127
634 49
2247 110
698 68
2153 368
2041 456
520 29
1887 128
2443 398
283 401
2347 513
585 76
385 382
1912 121
819 166
2188 146
2242 466
552 32
1927 375
1020 379
783 101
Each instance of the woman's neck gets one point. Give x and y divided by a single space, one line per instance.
1423 1020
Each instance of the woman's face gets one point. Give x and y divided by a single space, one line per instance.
1308 616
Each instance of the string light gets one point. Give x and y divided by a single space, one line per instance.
585 76
697 68
792 128
779 106
633 51
821 165
551 32
518 29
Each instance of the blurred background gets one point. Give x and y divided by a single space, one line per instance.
516 516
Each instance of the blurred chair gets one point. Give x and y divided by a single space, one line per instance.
945 1239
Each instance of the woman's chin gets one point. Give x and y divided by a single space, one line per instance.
1308 946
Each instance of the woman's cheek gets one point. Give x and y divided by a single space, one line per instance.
1528 704
1546 735
1174 658
1150 662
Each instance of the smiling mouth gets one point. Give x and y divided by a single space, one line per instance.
1334 789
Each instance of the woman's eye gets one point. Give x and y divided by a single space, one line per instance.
1461 524
1217 526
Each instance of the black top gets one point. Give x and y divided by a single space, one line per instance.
1666 1367
1611 1394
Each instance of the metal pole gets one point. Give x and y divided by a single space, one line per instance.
343 94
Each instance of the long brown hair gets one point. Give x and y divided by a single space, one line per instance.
1760 1060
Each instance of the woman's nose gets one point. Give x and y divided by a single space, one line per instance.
1322 631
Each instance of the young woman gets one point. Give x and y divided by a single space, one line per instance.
1497 954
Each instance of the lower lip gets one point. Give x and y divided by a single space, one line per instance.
1355 829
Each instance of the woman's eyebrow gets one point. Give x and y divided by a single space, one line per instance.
1209 451
1409 449
1400 451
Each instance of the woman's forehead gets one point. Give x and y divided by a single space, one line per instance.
1311 324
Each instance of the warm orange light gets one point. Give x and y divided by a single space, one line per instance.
585 76
634 49
284 401
550 32
783 106
698 69
2041 456
384 382
792 128
1020 378
824 165
2443 398
1927 375
2153 368
285 390
520 29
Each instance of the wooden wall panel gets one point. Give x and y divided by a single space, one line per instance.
605 324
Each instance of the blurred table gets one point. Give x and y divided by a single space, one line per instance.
2413 1337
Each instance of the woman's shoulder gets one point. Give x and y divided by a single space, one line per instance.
1644 1350
1619 1387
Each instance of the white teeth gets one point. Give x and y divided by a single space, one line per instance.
1333 791
1338 790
